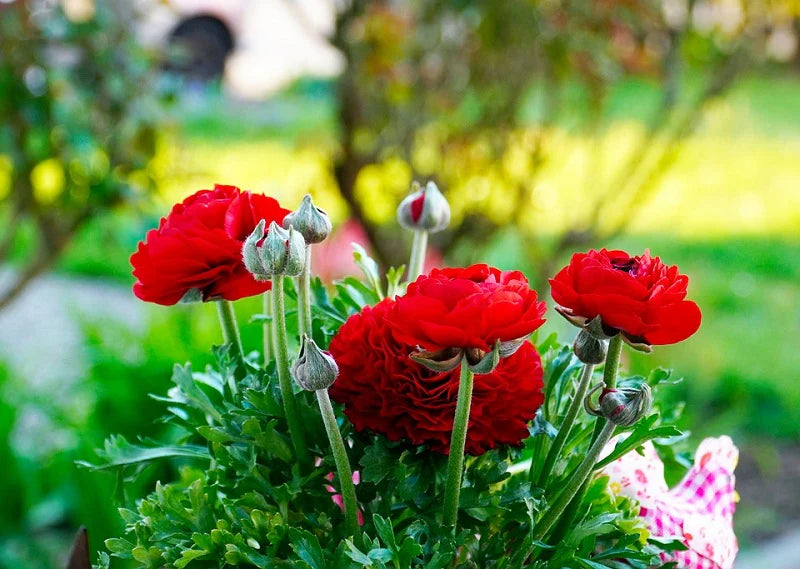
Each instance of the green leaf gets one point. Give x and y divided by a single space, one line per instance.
119 452
218 435
307 547
540 426
370 269
642 432
182 377
385 531
393 277
189 555
356 555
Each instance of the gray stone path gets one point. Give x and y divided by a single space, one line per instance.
42 345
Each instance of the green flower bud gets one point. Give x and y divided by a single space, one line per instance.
310 221
281 252
314 369
591 343
622 406
424 209
251 254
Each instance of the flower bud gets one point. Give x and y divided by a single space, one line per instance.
424 209
310 221
590 345
314 369
622 406
281 252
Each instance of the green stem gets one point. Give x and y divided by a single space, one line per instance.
610 374
230 329
610 379
418 249
566 425
304 298
342 463
612 361
281 348
267 327
455 462
574 484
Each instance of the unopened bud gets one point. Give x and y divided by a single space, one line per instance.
310 221
623 406
424 209
280 252
314 369
591 343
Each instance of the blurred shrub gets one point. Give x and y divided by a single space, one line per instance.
469 93
78 123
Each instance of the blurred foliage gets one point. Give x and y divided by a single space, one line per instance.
468 93
78 124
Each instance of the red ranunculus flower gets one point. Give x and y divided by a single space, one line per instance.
383 390
640 296
197 249
466 308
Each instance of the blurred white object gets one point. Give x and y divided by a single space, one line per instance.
259 46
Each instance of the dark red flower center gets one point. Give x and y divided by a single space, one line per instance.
626 264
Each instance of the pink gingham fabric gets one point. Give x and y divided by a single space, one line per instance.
699 510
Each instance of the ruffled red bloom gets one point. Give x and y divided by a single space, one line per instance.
197 248
466 308
383 390
640 296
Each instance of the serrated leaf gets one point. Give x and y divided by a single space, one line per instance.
369 267
307 547
540 426
356 555
189 555
119 452
394 276
385 531
642 432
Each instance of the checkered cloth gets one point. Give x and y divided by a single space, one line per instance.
699 510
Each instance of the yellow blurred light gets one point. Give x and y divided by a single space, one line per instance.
47 180
6 169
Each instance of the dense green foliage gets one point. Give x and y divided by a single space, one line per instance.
242 499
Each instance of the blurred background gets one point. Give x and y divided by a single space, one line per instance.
552 126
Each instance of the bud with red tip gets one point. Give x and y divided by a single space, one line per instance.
424 209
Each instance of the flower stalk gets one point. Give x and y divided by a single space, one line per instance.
314 225
566 426
455 461
304 298
281 348
610 373
348 489
416 264
267 326
230 329
575 482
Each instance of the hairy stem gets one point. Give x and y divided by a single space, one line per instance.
418 249
230 329
455 462
267 327
304 298
566 425
574 483
279 343
342 463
